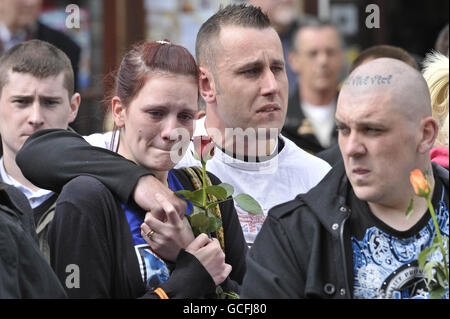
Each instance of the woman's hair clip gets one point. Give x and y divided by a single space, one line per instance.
163 42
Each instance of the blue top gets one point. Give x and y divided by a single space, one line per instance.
153 269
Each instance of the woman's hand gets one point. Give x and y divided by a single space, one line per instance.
145 196
169 237
211 256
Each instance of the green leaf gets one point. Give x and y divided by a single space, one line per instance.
440 275
409 210
221 294
214 224
247 203
200 223
211 204
219 192
197 210
423 256
228 188
428 270
195 197
437 293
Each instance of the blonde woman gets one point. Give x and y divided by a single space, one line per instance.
436 72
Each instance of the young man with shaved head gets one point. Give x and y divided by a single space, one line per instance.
349 237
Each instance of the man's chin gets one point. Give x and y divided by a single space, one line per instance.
366 193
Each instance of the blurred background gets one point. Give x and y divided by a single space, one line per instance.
109 27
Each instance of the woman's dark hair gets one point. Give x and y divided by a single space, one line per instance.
148 58
143 60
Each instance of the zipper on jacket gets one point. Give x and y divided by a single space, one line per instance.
344 259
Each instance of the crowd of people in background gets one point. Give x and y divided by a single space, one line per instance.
328 158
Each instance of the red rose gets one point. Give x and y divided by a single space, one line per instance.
204 147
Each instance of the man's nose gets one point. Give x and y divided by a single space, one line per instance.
269 83
353 145
36 117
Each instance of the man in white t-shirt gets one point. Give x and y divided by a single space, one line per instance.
244 84
316 56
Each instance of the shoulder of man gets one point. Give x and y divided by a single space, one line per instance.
26 274
285 209
17 205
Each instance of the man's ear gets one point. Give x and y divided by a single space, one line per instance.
118 111
294 61
429 132
75 102
207 86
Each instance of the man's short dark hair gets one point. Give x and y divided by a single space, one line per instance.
309 21
38 58
384 51
243 15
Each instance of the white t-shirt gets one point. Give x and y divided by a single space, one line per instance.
278 180
35 198
102 140
322 121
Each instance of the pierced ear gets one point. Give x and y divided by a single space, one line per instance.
430 131
118 111
75 102
207 86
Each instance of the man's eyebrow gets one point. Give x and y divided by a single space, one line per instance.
50 97
278 62
259 63
338 121
249 65
21 96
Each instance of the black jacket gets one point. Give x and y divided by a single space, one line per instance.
331 155
24 272
303 248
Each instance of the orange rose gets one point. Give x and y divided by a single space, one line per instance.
419 183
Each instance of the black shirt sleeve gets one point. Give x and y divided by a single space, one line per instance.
51 158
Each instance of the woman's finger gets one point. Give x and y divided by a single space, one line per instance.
199 242
169 209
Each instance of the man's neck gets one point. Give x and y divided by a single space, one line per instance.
317 97
242 145
11 168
